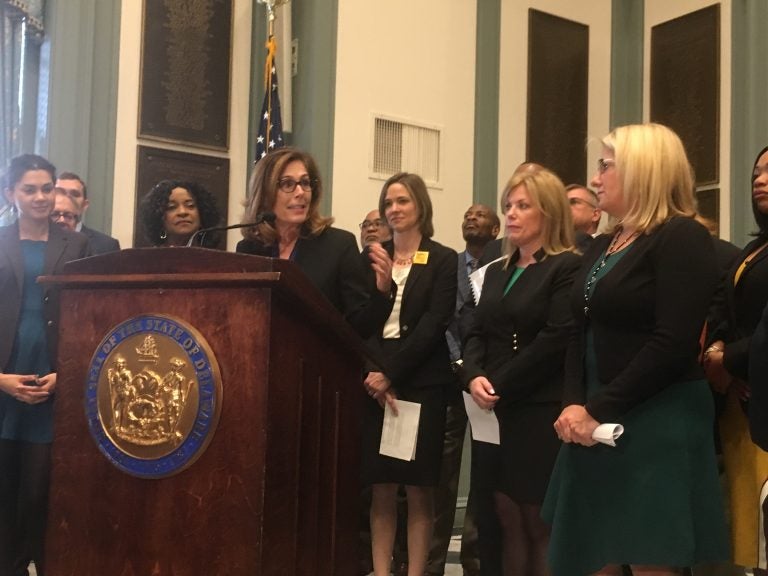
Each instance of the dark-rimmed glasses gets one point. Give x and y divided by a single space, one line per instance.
288 185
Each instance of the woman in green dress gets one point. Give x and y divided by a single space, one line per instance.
30 247
653 501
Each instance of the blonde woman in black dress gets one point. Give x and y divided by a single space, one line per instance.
514 358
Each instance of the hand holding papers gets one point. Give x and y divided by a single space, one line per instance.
485 425
398 435
608 433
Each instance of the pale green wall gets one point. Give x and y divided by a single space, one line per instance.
487 59
626 62
749 121
84 38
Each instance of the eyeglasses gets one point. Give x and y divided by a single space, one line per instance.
604 163
66 216
577 201
371 224
288 185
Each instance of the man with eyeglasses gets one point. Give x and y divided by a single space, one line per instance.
585 214
72 186
65 213
373 228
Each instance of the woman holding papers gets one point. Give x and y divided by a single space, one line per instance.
416 368
30 247
514 357
286 185
640 300
728 363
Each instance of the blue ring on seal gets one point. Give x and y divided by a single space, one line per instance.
205 419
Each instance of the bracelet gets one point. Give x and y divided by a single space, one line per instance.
711 349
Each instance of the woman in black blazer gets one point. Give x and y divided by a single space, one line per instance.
514 357
286 183
726 361
414 353
29 248
640 300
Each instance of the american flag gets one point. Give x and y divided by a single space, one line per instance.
270 136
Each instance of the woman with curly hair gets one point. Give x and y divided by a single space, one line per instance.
174 210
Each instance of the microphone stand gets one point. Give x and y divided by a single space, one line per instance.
268 217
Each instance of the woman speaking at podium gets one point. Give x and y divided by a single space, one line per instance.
30 247
287 183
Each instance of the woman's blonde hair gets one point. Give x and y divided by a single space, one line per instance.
547 193
654 173
263 189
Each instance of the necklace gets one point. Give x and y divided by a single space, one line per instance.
404 261
614 247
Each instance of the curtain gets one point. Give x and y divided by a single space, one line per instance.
21 28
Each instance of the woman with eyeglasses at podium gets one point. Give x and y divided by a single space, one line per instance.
30 247
284 198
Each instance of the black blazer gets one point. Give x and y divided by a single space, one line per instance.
428 304
646 314
332 263
758 382
62 247
519 340
100 243
736 319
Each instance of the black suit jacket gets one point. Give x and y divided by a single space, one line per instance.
736 319
758 382
519 340
100 243
428 304
332 263
646 314
62 247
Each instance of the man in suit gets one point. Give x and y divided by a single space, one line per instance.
585 214
480 226
65 213
74 187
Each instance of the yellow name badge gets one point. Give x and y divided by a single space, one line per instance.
420 257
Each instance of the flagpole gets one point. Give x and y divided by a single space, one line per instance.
266 140
270 5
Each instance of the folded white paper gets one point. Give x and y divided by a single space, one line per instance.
608 433
477 278
485 425
398 435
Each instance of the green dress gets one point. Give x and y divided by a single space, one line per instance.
18 420
654 499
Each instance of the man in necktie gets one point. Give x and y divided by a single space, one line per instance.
480 226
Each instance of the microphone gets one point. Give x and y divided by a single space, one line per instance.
268 217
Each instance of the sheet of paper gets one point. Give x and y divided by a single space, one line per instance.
485 425
398 435
476 280
608 433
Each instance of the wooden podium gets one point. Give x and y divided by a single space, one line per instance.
276 490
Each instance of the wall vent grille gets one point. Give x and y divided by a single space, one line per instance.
405 147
